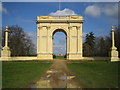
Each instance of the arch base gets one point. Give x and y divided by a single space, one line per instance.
74 56
45 56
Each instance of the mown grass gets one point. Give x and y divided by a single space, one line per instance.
96 74
60 57
22 74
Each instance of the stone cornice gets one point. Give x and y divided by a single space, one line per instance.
59 21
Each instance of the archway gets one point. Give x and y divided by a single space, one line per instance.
47 26
59 44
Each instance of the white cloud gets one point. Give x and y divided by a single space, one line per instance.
63 12
2 9
84 34
93 10
32 35
110 10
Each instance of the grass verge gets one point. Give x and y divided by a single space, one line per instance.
96 74
21 74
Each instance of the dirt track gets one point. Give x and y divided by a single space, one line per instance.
58 76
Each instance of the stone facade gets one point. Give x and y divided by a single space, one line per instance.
47 26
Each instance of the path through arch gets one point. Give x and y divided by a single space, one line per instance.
59 44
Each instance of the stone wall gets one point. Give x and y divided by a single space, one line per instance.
35 58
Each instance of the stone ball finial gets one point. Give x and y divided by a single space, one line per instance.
113 28
6 27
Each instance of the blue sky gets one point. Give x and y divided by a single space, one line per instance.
99 17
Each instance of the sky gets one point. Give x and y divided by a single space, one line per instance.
98 16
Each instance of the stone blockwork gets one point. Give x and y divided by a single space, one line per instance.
47 26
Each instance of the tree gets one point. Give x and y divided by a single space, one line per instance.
19 42
0 41
102 46
88 46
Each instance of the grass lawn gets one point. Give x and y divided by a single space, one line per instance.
59 57
96 74
21 74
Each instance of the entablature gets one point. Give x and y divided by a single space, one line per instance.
59 19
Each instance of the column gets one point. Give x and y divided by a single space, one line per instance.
6 50
6 36
38 38
48 28
70 28
81 42
49 44
113 40
114 52
78 39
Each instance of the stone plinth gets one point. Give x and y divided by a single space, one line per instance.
6 52
45 56
114 54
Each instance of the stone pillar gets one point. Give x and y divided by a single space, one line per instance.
38 38
68 42
44 42
6 50
79 28
114 52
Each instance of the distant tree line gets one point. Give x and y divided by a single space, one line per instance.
100 46
19 42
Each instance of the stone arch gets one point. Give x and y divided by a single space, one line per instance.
70 25
59 29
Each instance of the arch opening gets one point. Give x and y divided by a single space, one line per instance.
59 44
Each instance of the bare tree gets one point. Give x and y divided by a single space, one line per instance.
102 47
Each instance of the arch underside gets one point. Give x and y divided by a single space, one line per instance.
59 30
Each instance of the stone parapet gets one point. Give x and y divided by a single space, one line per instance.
60 19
